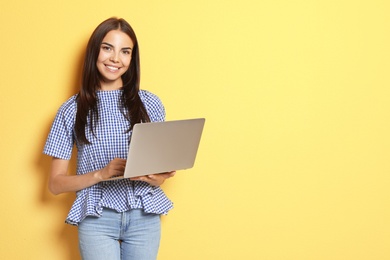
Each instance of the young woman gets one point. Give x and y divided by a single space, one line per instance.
117 219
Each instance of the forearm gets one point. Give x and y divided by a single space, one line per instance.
62 183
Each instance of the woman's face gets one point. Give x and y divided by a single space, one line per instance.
114 59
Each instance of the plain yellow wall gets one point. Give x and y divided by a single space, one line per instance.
294 161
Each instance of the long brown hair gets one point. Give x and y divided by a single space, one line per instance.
87 99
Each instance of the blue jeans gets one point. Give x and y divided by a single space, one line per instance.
131 235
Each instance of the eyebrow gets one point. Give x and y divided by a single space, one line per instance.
112 46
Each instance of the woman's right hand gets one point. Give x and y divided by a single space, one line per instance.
114 168
60 181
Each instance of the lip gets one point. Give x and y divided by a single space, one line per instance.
112 68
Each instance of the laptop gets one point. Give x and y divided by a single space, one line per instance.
158 147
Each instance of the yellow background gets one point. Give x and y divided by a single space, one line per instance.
294 160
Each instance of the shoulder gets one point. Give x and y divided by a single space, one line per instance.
61 138
148 96
153 105
69 104
149 99
68 108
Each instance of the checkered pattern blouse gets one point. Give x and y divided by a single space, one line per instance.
110 140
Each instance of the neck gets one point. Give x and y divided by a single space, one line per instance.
111 85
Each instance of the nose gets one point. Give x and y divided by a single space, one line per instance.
114 57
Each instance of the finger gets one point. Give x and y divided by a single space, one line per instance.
168 174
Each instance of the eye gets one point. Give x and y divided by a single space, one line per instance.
126 52
106 48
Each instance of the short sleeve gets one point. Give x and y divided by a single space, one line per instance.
61 139
153 105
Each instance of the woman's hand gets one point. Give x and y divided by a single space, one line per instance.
114 168
155 179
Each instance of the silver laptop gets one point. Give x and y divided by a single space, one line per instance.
159 147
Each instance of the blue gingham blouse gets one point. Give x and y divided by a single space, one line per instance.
110 140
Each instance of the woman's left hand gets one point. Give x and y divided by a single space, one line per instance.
155 179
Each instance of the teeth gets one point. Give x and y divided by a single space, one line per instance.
112 68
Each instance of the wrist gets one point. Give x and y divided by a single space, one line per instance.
97 175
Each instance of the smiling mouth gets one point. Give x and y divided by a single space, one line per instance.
112 68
